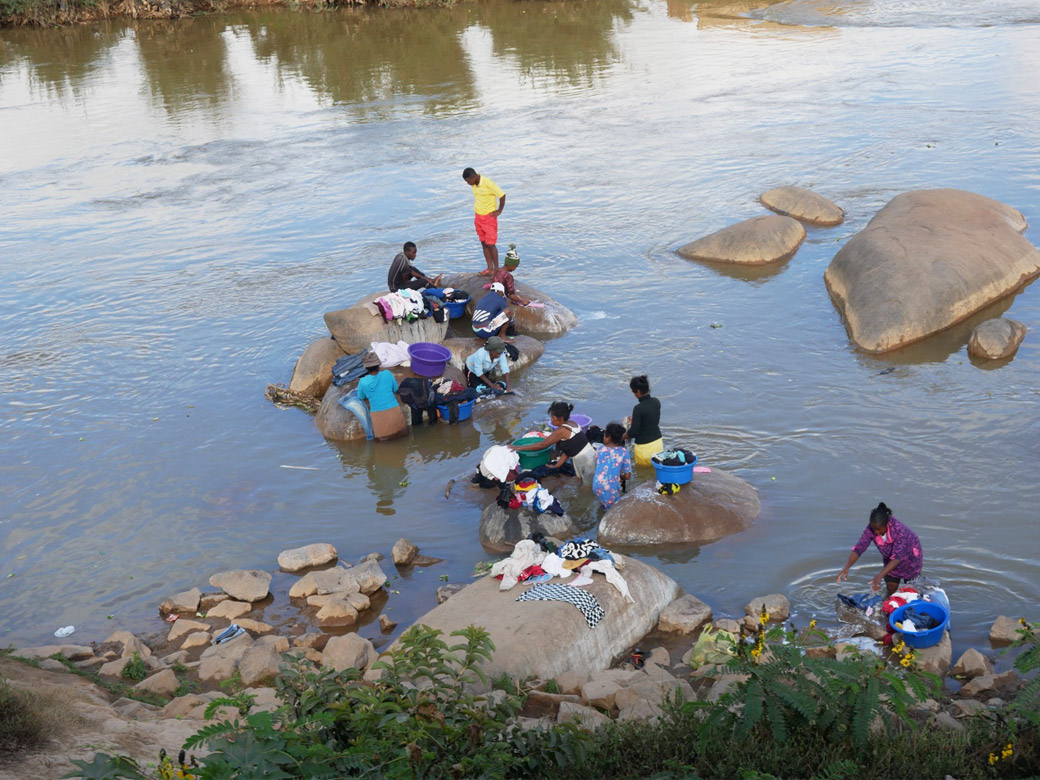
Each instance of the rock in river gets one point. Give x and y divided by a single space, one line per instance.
712 506
553 320
927 260
313 372
547 638
500 528
804 205
244 585
755 241
996 339
530 350
355 329
305 557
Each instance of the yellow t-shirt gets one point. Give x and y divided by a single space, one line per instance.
486 195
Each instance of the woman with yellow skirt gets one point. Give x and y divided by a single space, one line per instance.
645 430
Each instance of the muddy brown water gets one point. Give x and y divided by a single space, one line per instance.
183 200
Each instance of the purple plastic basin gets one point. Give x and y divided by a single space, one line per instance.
428 359
582 420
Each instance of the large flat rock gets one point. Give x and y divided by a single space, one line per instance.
554 320
547 638
804 205
710 507
755 241
355 328
461 348
926 261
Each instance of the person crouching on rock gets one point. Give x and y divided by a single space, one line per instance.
489 359
900 550
570 441
492 316
378 388
405 276
644 431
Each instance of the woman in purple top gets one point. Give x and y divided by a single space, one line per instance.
899 547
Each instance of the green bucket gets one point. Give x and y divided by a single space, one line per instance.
533 458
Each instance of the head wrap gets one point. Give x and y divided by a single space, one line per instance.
499 288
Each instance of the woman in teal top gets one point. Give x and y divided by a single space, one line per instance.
379 388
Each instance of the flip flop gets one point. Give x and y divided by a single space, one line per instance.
228 633
485 272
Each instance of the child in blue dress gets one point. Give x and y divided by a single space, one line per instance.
612 466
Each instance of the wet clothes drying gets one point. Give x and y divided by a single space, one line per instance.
418 394
348 368
585 602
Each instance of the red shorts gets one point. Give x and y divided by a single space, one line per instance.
487 228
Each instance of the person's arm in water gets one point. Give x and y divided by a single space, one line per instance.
844 573
857 550
558 461
544 444
637 419
875 584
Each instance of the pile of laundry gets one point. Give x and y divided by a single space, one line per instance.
527 492
878 608
539 562
674 458
425 395
410 305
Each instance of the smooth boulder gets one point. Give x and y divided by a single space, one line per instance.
803 205
500 528
712 506
755 241
306 557
242 584
355 328
312 374
926 261
554 319
996 339
530 350
547 638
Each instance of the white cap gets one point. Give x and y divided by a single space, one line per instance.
499 288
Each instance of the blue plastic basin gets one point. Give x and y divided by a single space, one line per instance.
465 410
677 475
932 636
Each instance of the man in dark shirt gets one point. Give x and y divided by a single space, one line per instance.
405 276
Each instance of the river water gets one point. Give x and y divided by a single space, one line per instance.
183 200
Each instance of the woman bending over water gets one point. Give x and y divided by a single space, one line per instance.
900 550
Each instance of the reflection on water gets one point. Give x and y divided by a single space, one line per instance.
186 199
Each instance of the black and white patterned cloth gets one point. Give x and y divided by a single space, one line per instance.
585 602
578 549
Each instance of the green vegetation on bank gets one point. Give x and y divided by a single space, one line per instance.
48 13
792 715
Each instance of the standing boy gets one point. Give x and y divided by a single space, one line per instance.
488 202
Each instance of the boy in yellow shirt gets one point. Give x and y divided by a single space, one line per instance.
488 202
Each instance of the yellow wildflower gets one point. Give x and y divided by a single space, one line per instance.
993 759
1007 752
900 646
1022 621
764 617
906 660
812 623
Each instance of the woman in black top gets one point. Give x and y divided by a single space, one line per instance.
570 442
645 429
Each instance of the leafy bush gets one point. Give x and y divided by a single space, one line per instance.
135 670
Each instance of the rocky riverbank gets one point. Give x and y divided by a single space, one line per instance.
152 689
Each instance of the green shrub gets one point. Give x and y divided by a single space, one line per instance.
135 670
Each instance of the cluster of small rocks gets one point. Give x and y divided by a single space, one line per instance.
341 594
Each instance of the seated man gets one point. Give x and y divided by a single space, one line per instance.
492 316
504 276
405 276
482 363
